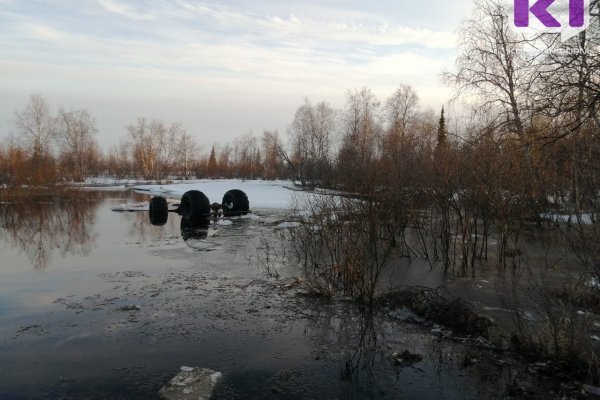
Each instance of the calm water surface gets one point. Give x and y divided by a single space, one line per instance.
96 304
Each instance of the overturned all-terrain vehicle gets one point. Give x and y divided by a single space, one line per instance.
196 207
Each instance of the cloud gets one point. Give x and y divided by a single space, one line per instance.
362 29
198 53
125 10
374 34
43 32
258 47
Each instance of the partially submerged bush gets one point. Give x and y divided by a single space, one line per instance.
428 303
555 327
345 244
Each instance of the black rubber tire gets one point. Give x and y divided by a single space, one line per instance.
158 211
194 229
235 202
194 206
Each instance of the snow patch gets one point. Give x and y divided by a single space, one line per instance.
251 217
132 207
261 194
212 232
404 314
586 219
215 377
288 225
200 245
191 383
440 330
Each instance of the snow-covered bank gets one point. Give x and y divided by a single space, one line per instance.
261 194
113 184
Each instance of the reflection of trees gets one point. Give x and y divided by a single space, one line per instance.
191 231
141 228
42 224
363 342
360 360
355 334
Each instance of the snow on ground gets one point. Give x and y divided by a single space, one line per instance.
261 194
141 206
105 188
131 207
107 181
288 225
586 219
113 184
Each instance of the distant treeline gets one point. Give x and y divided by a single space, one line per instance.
50 147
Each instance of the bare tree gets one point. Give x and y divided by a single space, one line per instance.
272 158
493 66
312 133
425 128
246 156
401 110
186 147
568 94
155 147
118 162
35 126
361 135
224 161
76 130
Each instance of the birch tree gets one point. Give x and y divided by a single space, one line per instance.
75 131
35 127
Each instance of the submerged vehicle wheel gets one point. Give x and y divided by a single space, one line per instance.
194 206
158 211
194 229
235 202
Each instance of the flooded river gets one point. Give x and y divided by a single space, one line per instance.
96 304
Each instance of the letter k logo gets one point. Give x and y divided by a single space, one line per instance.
540 10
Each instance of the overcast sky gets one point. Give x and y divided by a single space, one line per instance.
222 68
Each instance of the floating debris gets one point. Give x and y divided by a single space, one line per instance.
406 358
191 383
131 307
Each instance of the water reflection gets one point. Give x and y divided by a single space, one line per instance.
194 233
380 358
361 358
42 225
194 230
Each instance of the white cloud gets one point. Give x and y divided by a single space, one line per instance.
220 57
43 32
125 10
361 30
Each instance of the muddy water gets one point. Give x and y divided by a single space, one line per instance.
97 304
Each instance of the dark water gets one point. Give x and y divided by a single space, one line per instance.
96 304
